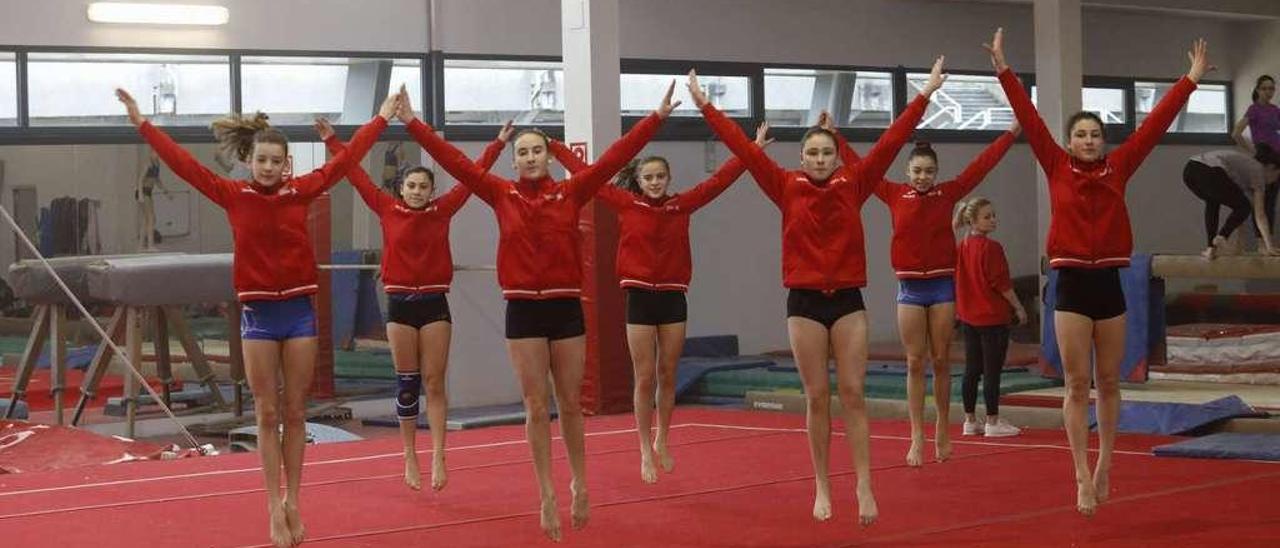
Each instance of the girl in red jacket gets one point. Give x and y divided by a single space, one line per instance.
275 276
654 267
1089 241
824 266
540 271
417 267
924 259
984 297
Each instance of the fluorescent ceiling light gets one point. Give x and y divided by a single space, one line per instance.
157 14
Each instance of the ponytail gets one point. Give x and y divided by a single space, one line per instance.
237 134
627 178
923 149
967 212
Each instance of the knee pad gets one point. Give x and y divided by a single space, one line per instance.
408 392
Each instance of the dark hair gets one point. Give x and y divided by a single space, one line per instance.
546 141
1258 82
237 134
817 130
626 178
1085 115
431 177
923 149
1266 155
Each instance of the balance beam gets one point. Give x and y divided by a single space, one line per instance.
1196 266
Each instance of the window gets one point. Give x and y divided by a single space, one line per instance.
964 102
75 89
296 90
8 89
409 73
795 97
641 93
1206 111
1107 103
490 92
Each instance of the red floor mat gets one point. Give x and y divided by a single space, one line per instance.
39 398
741 479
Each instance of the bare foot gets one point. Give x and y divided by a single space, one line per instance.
550 519
1101 485
664 457
439 473
412 477
821 506
1086 498
914 458
280 535
648 472
579 510
867 509
294 520
942 444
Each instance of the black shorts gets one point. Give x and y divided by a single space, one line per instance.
417 310
1091 292
551 319
645 307
822 307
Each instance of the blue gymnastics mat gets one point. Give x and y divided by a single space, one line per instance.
1225 445
1138 417
691 370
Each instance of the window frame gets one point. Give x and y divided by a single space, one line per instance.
26 134
1172 138
433 100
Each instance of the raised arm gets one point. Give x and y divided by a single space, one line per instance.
584 185
1128 156
566 157
1046 150
699 196
327 175
978 169
486 185
493 150
848 156
871 169
183 164
373 197
450 202
767 173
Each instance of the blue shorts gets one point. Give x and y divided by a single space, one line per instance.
927 292
277 320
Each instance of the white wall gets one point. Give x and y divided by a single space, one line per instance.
381 25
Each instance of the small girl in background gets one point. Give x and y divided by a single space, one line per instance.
984 300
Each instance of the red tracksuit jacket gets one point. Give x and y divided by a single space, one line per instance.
653 244
538 245
923 244
982 276
415 242
273 258
1090 224
822 240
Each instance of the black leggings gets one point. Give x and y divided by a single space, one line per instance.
1212 185
984 352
